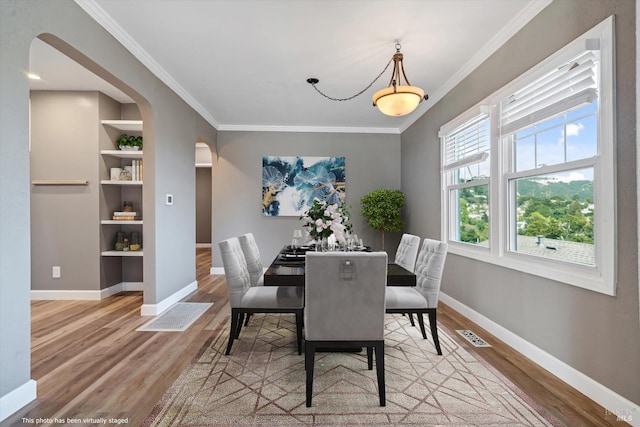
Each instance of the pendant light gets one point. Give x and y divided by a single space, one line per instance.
397 99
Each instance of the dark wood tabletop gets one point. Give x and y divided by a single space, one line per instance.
287 269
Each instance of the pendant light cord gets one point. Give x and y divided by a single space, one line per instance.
313 81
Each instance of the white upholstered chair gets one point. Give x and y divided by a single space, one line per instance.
252 256
246 299
344 307
407 251
423 298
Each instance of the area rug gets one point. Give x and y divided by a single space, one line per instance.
177 318
262 383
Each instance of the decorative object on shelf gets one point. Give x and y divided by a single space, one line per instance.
322 220
125 174
381 208
115 174
127 206
120 236
394 100
290 184
135 242
129 142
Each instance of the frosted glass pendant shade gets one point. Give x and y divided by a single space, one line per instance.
399 100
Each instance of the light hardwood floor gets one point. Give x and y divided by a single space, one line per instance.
88 360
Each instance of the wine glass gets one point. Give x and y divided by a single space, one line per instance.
295 241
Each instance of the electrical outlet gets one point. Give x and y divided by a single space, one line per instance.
168 199
55 273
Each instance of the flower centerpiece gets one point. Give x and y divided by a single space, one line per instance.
322 220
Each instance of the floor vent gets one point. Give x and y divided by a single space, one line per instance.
473 338
176 319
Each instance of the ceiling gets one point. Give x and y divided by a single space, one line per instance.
243 64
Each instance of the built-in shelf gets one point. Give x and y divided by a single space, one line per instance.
121 253
121 222
123 154
124 125
115 182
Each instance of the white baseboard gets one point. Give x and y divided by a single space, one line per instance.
203 245
610 400
157 309
86 295
217 271
18 398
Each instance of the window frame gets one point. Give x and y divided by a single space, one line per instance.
603 276
447 175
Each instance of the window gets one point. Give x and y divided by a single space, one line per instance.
466 166
544 201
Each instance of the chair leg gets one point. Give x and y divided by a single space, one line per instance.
411 319
309 360
410 316
434 330
421 323
240 320
299 331
234 325
370 358
380 371
246 321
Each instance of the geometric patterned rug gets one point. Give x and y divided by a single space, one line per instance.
262 383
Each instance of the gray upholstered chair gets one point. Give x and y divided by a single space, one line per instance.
254 262
344 307
252 256
423 298
246 299
407 251
406 255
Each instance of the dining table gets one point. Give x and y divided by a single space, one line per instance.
287 269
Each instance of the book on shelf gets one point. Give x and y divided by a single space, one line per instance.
136 170
125 214
124 218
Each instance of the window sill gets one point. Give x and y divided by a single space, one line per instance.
572 274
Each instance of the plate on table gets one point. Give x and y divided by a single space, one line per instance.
300 250
292 257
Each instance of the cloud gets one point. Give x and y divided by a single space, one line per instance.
571 176
573 129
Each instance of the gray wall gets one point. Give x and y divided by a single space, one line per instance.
372 161
170 130
64 219
596 334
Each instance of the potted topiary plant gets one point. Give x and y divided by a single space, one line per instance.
381 208
127 142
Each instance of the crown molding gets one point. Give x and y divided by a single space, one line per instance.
515 25
105 20
307 129
112 27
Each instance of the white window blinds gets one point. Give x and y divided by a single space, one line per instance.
468 143
568 86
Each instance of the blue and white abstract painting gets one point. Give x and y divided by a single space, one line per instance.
290 184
